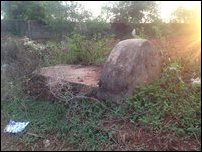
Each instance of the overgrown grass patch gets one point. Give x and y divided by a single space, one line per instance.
165 105
43 116
169 104
78 124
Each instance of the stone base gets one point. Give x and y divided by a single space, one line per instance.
74 79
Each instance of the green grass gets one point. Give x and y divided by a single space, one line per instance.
79 125
42 116
169 98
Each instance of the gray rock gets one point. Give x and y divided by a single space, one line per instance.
131 63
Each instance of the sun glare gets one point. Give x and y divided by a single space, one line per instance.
167 7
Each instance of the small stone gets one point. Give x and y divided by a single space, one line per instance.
46 143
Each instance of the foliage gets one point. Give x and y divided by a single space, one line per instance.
49 12
77 49
159 29
22 55
183 15
94 27
169 104
131 12
25 10
86 51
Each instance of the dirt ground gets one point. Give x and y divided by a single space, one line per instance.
141 139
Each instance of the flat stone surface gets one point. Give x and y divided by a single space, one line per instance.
87 75
50 81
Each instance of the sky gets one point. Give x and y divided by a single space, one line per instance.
165 7
93 6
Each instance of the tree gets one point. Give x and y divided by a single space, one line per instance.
95 26
75 12
184 15
25 10
131 12
46 11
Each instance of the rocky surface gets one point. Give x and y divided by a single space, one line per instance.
75 79
131 63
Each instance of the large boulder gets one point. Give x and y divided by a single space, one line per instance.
131 63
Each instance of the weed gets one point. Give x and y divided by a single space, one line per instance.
169 103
